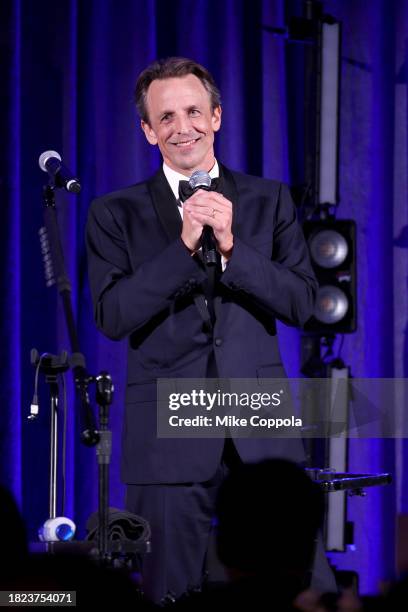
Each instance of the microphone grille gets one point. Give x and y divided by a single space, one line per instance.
199 178
44 157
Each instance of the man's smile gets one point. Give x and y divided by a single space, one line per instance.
186 143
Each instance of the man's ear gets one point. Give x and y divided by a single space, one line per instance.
149 133
216 118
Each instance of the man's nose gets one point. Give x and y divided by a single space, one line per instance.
183 124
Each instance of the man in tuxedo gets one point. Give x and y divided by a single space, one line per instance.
150 285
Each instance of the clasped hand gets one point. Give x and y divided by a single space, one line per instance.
208 208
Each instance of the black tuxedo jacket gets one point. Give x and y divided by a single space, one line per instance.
147 287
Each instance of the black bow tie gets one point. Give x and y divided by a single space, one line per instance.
185 191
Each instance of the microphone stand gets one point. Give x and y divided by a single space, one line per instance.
102 438
90 436
51 366
104 393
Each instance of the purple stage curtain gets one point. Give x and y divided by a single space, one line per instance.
67 72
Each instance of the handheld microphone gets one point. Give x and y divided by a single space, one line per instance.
50 161
202 180
58 529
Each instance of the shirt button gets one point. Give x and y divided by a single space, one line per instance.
218 342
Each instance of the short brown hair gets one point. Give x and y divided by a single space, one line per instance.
173 67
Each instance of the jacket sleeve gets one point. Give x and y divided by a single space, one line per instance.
284 284
125 299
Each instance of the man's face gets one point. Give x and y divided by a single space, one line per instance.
182 123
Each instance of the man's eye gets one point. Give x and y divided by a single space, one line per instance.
165 117
194 112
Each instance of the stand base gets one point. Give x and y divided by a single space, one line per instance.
122 552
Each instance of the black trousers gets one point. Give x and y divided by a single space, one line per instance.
180 518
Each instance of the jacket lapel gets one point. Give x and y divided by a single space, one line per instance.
165 205
228 190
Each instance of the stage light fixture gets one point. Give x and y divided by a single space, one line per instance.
333 256
331 304
328 248
329 112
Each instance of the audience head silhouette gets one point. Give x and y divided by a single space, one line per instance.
268 518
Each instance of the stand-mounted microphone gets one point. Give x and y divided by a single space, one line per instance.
50 161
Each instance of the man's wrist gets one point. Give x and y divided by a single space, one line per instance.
226 251
189 249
